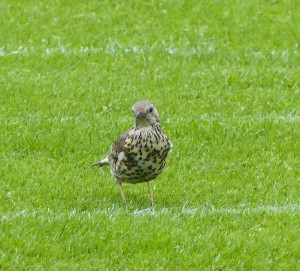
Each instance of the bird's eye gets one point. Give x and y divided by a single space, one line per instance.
151 109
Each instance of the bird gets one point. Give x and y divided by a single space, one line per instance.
139 154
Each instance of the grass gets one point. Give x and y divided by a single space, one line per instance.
225 79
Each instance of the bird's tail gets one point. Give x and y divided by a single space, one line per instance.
102 162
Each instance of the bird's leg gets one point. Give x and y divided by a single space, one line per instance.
150 194
121 191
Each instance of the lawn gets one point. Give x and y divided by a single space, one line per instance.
224 76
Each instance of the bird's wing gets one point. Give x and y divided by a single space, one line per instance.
118 146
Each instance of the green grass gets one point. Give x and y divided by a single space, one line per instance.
224 76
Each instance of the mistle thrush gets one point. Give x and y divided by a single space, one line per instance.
139 154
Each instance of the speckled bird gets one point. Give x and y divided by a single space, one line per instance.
139 155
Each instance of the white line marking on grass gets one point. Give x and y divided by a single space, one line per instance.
114 47
113 211
289 118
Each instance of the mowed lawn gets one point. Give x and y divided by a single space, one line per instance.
225 77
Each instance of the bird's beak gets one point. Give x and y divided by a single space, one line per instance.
139 115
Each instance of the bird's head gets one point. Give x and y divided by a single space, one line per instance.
145 114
